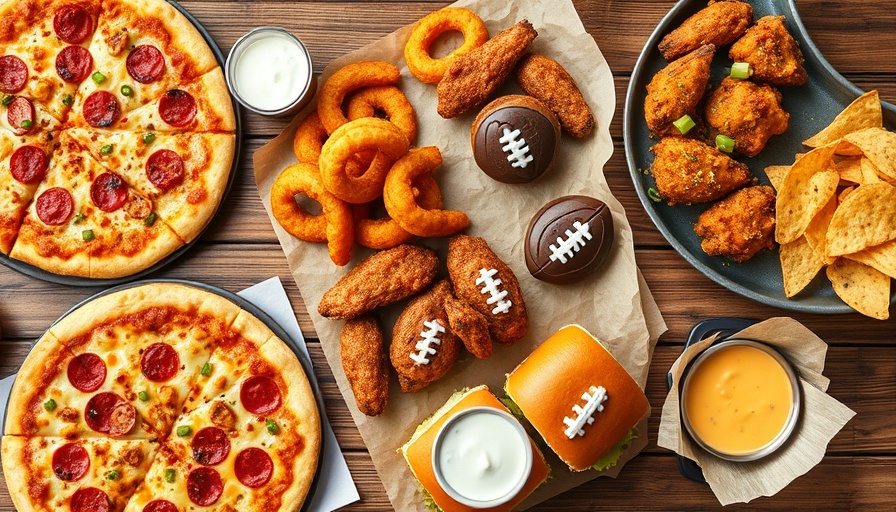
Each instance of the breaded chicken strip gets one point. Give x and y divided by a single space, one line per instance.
772 53
364 362
719 23
470 326
547 81
383 278
676 90
689 171
740 225
748 112
474 76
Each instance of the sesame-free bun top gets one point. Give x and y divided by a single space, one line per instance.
553 379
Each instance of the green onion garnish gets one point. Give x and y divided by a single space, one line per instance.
27 124
7 100
106 150
272 426
87 235
148 138
184 430
113 475
684 124
143 396
150 219
50 405
724 143
127 90
206 370
654 195
169 475
741 70
67 100
98 77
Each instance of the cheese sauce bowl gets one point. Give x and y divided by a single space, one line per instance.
269 71
740 400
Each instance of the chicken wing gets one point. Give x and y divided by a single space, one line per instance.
719 23
748 112
676 90
771 51
546 80
689 171
740 225
364 362
470 326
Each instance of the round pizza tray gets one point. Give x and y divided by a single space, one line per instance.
258 313
39 273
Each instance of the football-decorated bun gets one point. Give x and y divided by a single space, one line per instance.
515 139
418 451
568 238
577 396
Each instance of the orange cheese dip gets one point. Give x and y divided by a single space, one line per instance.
738 399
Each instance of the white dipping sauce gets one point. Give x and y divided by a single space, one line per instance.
482 456
272 72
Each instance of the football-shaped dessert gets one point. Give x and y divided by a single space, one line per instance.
515 139
568 238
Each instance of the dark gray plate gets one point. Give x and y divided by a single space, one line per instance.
39 273
811 108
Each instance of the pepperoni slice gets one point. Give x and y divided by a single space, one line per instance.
74 63
108 192
159 362
260 395
20 115
145 64
210 446
72 23
90 499
165 169
253 467
160 506
101 109
13 74
108 413
204 486
177 108
87 372
70 462
55 206
28 164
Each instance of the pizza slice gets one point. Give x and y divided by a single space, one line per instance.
184 175
49 474
23 164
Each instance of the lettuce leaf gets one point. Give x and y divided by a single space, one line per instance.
612 457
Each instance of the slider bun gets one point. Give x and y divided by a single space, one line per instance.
552 380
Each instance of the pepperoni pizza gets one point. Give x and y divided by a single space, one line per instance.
160 398
117 134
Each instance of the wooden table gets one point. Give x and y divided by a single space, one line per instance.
240 249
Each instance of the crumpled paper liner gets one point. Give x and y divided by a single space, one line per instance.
614 303
821 418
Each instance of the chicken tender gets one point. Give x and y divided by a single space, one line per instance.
474 76
364 362
719 23
676 90
383 278
547 81
740 225
748 112
689 171
773 54
470 326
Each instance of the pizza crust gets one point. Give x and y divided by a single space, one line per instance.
41 365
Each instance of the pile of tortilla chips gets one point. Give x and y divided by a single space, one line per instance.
836 207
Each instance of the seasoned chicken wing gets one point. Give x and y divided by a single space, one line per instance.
772 53
365 364
748 112
676 90
740 225
689 171
719 23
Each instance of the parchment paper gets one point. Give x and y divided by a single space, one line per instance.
822 417
613 303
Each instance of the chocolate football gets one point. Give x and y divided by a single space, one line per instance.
568 238
515 139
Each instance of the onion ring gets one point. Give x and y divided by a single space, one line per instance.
347 79
389 100
416 51
310 137
398 196
385 233
368 133
335 224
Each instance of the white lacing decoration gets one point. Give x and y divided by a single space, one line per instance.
425 346
516 149
490 286
593 403
566 249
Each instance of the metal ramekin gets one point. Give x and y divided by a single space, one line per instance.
789 423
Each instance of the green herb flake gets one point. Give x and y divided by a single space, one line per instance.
206 370
79 218
27 124
184 430
272 426
87 235
143 396
170 475
149 138
106 150
127 90
654 195
67 100
150 219
684 124
7 100
98 77
113 475
50 405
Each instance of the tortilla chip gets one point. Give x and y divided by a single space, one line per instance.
850 170
844 194
881 258
864 219
863 112
845 148
865 289
799 264
817 230
776 174
869 172
879 146
804 192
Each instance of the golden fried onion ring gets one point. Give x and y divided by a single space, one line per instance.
358 136
416 51
389 100
398 196
385 233
347 79
310 137
335 224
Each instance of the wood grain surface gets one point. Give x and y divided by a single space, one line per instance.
240 249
